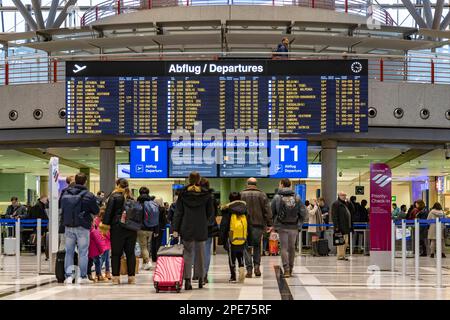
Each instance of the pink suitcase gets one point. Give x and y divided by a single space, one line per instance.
168 275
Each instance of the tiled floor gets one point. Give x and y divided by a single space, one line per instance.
313 278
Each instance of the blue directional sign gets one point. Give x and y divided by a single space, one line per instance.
148 159
289 159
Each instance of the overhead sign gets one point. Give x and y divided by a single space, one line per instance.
289 159
148 159
380 215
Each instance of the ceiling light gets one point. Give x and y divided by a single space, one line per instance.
119 151
340 151
351 157
37 160
75 149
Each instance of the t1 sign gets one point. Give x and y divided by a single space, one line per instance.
148 159
289 159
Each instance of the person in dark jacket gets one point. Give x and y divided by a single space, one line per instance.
158 235
342 220
287 227
145 234
16 210
235 251
122 240
194 208
283 49
39 211
70 181
421 212
259 217
213 228
77 226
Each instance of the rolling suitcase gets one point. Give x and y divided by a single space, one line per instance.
59 266
322 247
10 247
169 269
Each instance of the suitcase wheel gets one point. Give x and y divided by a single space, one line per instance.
156 286
177 287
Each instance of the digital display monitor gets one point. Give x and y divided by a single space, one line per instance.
154 98
314 171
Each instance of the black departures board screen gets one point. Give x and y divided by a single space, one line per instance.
157 97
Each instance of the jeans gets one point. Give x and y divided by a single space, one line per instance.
144 239
287 242
254 241
105 260
98 266
208 248
76 237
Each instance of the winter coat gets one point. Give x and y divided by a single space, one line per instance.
342 218
106 237
432 227
114 208
259 213
238 207
275 208
315 217
96 243
193 211
89 208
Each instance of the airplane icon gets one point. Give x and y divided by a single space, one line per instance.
78 68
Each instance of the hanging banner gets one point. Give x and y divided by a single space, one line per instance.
380 215
53 195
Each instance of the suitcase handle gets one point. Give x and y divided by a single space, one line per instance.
170 238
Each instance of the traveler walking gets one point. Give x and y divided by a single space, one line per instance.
105 258
193 210
259 217
123 239
233 232
436 212
314 218
149 226
16 210
77 205
97 247
342 221
289 213
157 237
213 228
420 212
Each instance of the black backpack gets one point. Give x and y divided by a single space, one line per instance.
132 216
288 212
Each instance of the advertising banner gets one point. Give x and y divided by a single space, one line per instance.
53 189
380 214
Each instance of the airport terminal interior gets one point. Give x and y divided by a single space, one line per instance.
354 94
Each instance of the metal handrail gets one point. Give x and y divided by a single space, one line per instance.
422 67
117 7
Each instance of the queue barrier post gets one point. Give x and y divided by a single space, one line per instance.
38 244
300 241
416 248
403 247
393 232
1 247
438 253
351 242
18 248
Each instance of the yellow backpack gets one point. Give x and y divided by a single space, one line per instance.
238 229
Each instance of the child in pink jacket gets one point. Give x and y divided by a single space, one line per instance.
96 250
105 258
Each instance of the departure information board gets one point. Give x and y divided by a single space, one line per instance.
154 98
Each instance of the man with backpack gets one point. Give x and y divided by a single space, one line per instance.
259 217
150 225
288 211
77 207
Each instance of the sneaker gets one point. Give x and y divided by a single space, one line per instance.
68 280
147 266
115 280
286 274
232 278
241 274
84 281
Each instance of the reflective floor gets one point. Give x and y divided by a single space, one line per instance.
314 278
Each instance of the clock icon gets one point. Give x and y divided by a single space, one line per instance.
356 67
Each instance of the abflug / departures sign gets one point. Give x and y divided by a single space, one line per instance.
154 98
214 68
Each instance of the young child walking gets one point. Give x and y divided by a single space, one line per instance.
105 259
96 249
234 234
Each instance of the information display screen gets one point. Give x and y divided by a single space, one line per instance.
157 97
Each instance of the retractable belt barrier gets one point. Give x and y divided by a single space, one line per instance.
18 224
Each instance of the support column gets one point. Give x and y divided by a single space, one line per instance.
87 172
43 185
107 166
225 187
433 194
329 171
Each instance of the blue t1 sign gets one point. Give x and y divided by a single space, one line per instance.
289 159
148 159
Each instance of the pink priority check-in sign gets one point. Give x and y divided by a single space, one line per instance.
380 207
